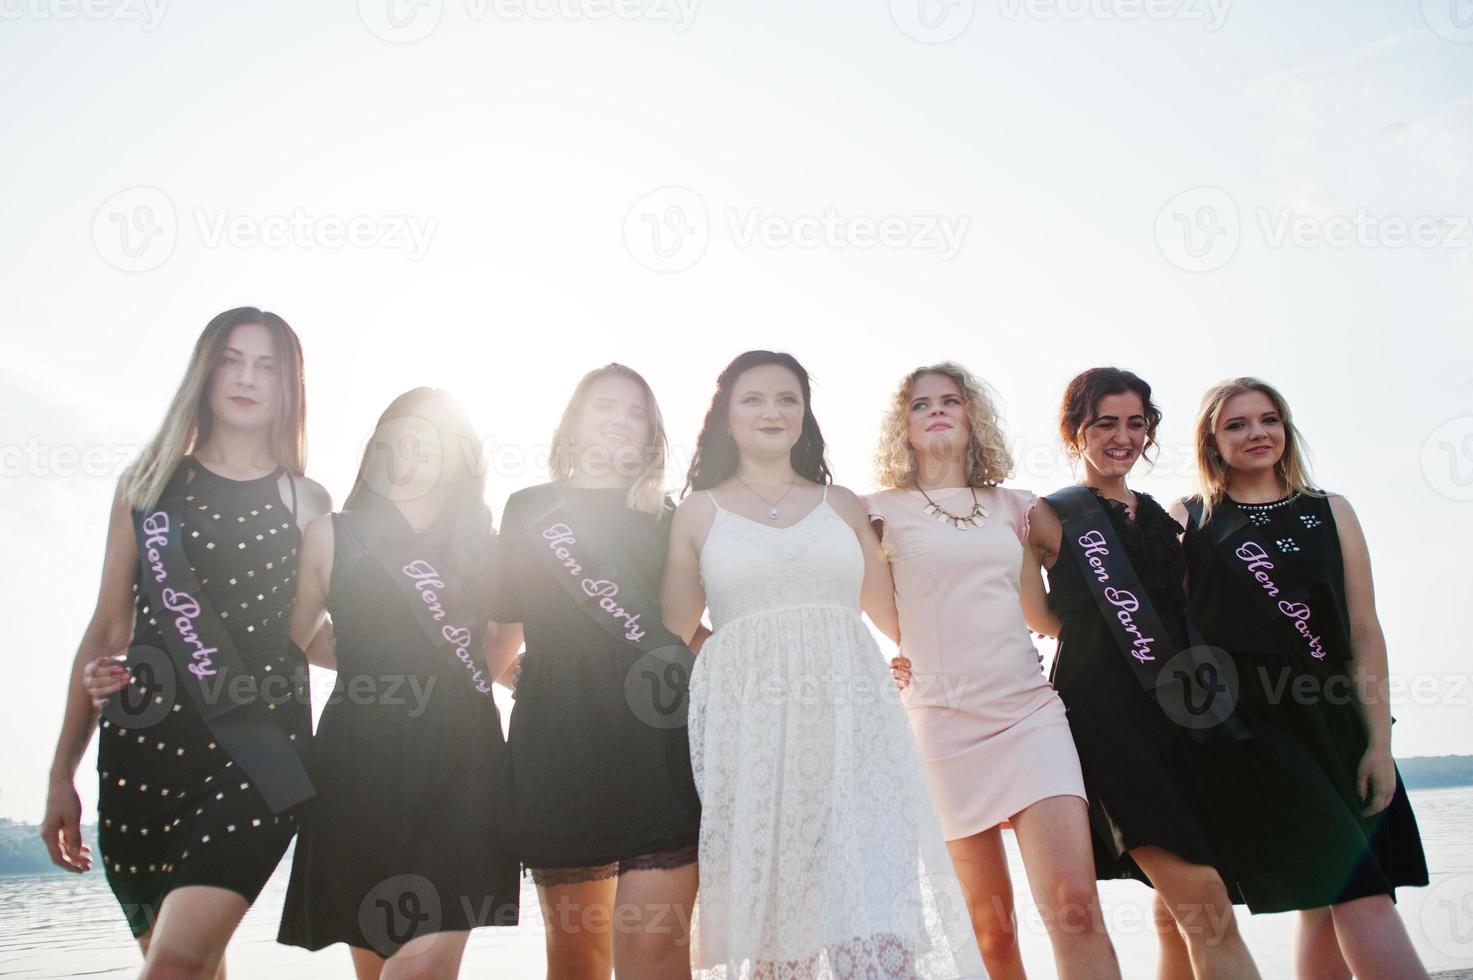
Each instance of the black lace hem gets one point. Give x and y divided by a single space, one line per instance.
655 861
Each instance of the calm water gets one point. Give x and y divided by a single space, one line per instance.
64 926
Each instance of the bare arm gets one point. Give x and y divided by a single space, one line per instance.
1040 551
877 595
108 633
309 611
1377 775
682 597
503 644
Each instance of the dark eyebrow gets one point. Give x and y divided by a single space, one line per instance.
232 350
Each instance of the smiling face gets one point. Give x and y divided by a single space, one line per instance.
766 413
614 426
937 426
1115 436
243 387
1249 435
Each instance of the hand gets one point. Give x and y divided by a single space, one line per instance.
61 829
1375 779
102 678
900 670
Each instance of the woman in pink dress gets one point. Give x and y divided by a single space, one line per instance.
991 730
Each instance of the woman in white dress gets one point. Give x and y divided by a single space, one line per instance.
820 852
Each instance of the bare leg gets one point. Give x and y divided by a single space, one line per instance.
1374 940
1053 835
1196 897
982 865
188 941
433 957
1316 952
1175 962
579 921
652 911
367 965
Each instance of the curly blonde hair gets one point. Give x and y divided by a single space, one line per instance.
988 461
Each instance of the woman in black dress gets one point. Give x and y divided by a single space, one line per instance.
1279 576
604 808
1142 768
398 856
193 819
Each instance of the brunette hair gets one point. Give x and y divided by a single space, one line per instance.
716 453
1082 395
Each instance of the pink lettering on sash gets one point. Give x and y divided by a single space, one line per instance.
156 526
426 580
1255 558
1126 603
1093 543
558 537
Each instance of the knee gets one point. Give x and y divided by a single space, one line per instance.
994 925
997 941
1076 905
165 964
584 959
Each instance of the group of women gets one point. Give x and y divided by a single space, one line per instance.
1188 736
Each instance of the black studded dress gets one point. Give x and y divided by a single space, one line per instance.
1302 839
173 809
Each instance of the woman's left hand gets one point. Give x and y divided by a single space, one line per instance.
1375 780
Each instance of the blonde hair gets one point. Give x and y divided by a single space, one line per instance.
1212 472
188 422
647 486
988 461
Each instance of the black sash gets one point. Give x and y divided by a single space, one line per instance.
658 684
1275 591
434 597
207 665
1203 702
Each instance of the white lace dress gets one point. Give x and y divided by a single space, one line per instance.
821 855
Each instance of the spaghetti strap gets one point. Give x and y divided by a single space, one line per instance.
713 500
825 498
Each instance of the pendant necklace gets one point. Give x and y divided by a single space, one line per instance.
772 511
936 512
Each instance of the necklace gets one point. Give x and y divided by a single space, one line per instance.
936 512
772 511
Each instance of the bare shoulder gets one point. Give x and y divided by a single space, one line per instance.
693 517
1345 516
314 500
847 504
1178 511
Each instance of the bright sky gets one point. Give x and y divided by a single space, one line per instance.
496 195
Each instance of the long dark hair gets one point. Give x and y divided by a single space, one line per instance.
716 454
462 533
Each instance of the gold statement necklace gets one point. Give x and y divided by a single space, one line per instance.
936 512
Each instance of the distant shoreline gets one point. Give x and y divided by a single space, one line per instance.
22 853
